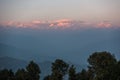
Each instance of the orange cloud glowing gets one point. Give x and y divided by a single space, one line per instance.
38 22
57 24
104 24
64 23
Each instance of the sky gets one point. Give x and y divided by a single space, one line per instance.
46 11
59 28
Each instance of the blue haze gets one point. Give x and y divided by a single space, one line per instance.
71 45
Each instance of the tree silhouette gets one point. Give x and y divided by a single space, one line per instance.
21 74
60 66
6 74
59 69
83 75
47 78
115 72
101 63
33 71
11 75
102 66
90 74
72 73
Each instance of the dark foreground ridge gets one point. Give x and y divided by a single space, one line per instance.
102 66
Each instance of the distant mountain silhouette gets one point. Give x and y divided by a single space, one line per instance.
24 54
8 49
11 63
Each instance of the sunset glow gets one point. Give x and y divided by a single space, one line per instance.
59 24
45 30
60 13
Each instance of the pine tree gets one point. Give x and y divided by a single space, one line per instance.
21 74
72 73
33 71
101 63
59 69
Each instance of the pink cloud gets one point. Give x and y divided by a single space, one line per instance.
51 25
38 22
62 23
57 24
11 24
104 24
